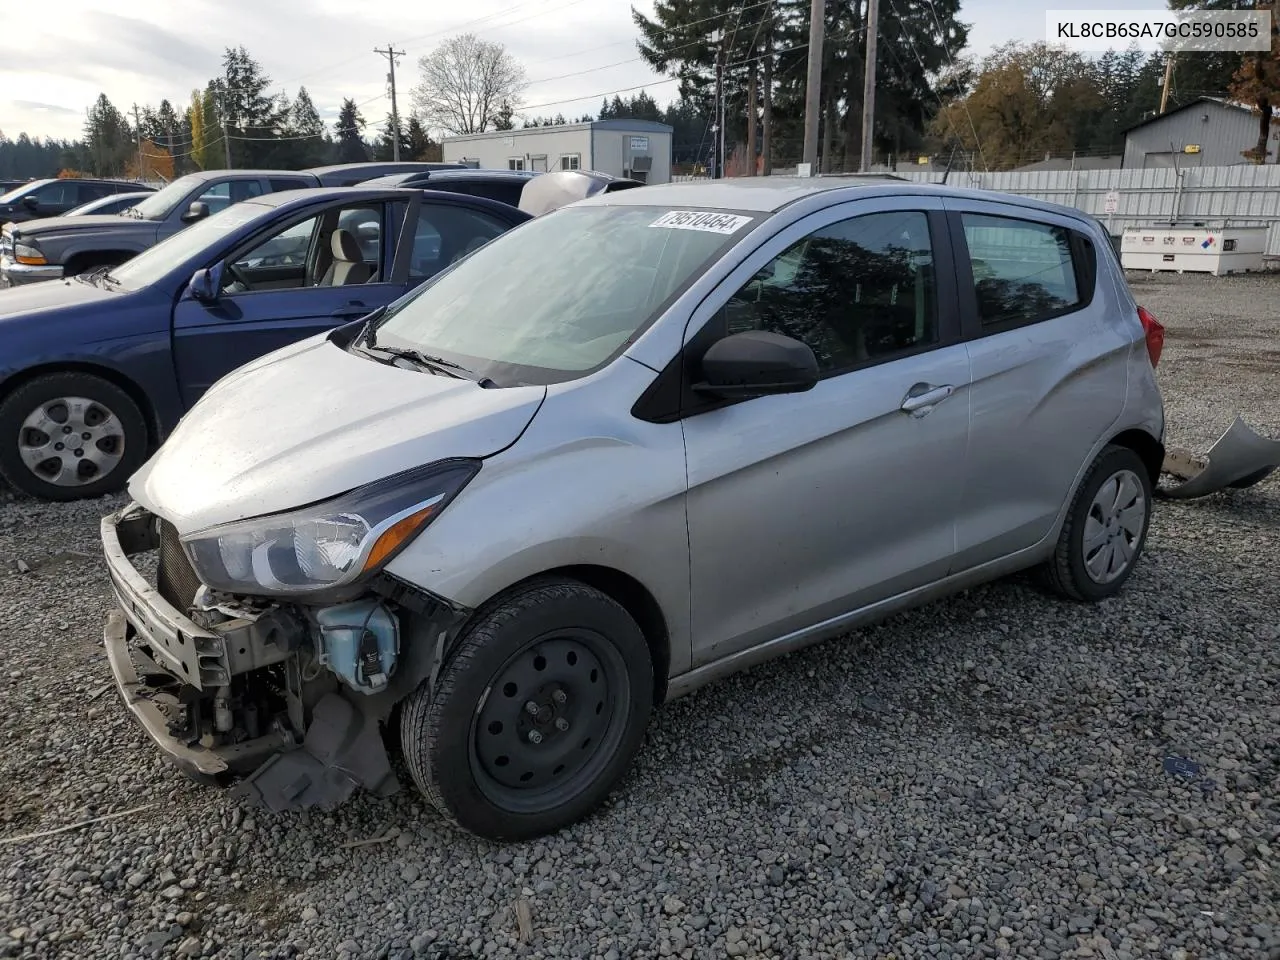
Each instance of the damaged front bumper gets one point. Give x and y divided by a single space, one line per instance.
1240 458
241 690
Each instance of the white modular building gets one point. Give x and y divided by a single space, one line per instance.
639 149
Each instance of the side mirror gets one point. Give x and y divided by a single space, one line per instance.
31 201
197 211
206 284
757 363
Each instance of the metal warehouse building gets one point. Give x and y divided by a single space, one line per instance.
640 149
1207 132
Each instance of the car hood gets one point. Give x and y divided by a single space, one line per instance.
99 222
312 421
28 298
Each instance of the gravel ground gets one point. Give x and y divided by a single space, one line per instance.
985 777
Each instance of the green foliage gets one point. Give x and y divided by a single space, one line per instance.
350 134
108 138
25 158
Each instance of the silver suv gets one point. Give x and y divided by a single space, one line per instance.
633 446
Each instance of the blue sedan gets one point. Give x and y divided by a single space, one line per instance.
96 370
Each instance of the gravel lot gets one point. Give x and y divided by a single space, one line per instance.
980 778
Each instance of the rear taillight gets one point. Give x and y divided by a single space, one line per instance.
1155 334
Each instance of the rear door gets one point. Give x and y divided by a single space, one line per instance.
1049 370
286 284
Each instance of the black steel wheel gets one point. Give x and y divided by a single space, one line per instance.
536 715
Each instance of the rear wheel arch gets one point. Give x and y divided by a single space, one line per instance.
1147 447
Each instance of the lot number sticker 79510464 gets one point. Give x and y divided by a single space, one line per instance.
707 222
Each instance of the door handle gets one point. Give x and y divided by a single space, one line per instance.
928 397
352 309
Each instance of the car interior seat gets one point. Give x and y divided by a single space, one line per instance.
349 266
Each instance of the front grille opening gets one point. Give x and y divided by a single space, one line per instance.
175 579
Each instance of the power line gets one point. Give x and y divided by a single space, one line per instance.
946 48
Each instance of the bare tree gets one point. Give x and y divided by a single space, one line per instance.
465 83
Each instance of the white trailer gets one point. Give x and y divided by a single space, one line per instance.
1196 249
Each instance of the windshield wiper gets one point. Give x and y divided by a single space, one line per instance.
433 363
98 274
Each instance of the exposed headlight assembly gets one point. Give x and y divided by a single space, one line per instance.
26 251
329 544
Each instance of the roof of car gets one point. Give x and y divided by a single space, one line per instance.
355 193
770 194
391 166
246 174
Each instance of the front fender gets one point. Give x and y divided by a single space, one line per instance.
62 251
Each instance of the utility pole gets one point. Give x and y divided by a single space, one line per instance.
813 83
137 132
1168 80
720 122
869 85
391 53
717 141
226 127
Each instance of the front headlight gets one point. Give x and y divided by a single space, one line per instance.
25 251
329 544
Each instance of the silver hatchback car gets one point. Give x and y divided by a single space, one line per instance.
635 445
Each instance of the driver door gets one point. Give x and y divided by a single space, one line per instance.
805 507
296 280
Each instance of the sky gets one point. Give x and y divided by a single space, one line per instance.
61 58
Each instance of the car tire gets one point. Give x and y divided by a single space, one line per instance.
536 715
1105 530
43 413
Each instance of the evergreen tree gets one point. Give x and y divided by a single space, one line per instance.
421 146
107 136
253 116
351 145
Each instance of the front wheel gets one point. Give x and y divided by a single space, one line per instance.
1105 529
66 436
536 715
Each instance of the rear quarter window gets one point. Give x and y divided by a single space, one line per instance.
1025 271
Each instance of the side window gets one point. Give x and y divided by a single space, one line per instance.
219 196
447 233
61 193
92 191
277 262
857 291
1022 271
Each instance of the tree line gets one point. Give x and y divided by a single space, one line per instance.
233 121
1011 107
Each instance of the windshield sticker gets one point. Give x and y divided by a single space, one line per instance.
706 222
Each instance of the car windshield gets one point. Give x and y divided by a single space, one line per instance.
165 200
17 192
561 295
155 262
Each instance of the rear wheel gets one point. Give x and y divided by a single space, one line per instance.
1105 530
67 436
537 714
